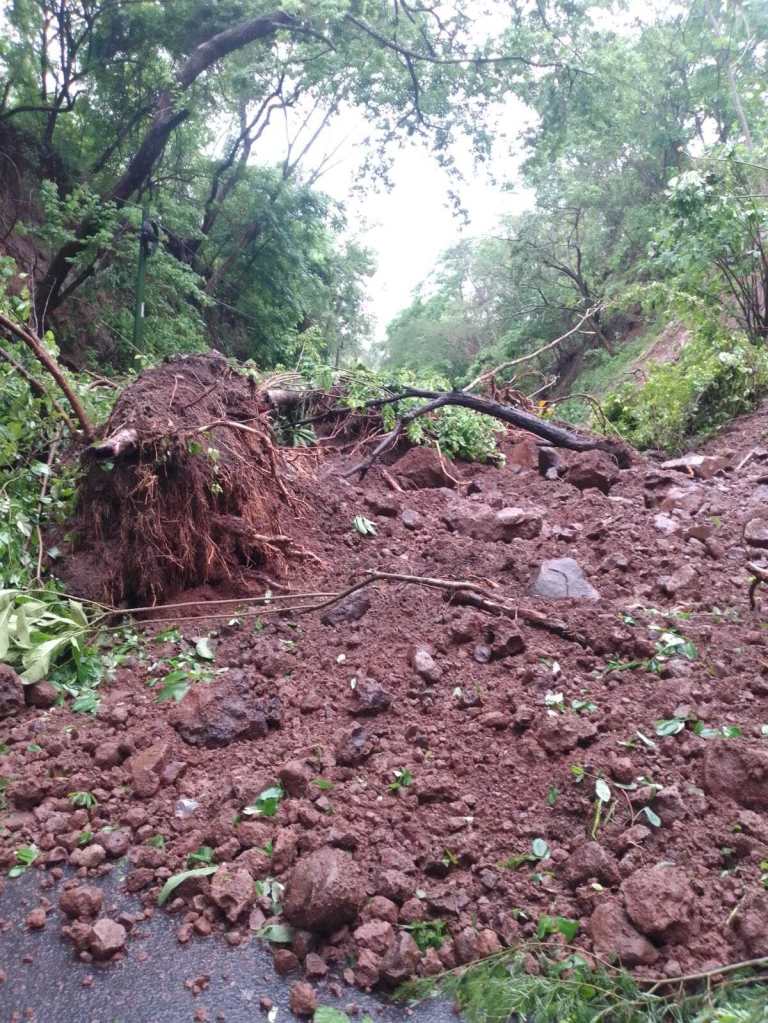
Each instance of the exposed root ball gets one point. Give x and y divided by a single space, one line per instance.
185 489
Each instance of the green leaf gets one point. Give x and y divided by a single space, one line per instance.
327 1014
203 649
266 803
278 934
653 818
670 726
540 849
603 790
173 883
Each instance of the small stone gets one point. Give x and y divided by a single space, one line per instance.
41 695
82 901
352 609
562 578
495 719
295 777
232 890
474 944
592 470
303 1000
145 769
115 843
315 966
614 937
89 856
425 665
657 898
591 862
324 891
680 580
411 519
756 533
285 961
107 938
36 919
370 699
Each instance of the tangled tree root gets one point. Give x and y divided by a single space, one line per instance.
185 489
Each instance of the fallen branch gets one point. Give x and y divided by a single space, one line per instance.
461 591
555 435
36 346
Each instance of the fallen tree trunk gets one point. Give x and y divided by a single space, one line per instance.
557 436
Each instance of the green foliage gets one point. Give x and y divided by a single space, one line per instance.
568 990
717 377
403 779
82 800
173 882
25 857
427 933
266 803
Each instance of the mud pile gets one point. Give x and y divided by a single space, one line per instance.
449 777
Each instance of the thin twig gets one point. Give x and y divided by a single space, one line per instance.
532 355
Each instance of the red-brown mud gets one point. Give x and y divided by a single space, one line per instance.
503 729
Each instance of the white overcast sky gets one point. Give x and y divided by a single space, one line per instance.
409 225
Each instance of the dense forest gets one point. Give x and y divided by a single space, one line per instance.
426 654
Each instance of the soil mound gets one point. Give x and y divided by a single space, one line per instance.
185 489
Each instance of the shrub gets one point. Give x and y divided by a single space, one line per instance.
717 377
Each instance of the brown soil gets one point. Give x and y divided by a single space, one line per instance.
467 703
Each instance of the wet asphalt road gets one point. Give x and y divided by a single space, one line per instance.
45 983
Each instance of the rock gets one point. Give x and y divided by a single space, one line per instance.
107 937
89 856
481 522
703 467
36 919
591 862
507 644
232 890
425 665
216 715
353 747
146 767
284 850
82 901
324 891
688 499
295 777
376 935
351 609
680 580
423 469
495 719
592 470
562 578
751 923
380 908
474 944
108 754
11 692
41 695
367 969
411 519
657 898
370 699
401 960
561 733
666 523
737 772
395 885
285 961
115 843
614 937
303 1000
756 533
315 966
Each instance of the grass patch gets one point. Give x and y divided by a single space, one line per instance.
528 983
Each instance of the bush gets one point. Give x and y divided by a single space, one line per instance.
718 376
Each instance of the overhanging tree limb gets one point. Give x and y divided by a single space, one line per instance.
40 352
